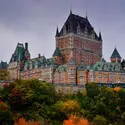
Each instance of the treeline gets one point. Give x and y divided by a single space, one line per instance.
32 102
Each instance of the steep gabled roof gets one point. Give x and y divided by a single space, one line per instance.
75 21
115 54
57 52
18 54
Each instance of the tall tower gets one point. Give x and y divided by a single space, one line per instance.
78 40
115 57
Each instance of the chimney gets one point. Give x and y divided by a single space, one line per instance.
26 46
39 55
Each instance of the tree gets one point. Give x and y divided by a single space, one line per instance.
92 89
4 75
100 120
70 107
22 121
75 120
5 114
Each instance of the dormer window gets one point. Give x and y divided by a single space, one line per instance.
93 36
105 67
30 65
64 30
116 68
86 32
25 67
78 29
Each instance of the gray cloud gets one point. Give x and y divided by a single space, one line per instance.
35 22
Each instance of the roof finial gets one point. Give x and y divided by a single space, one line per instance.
70 8
100 36
57 31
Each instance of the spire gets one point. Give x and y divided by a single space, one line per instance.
70 9
103 60
115 54
100 36
57 31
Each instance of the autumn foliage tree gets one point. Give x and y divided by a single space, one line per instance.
70 107
75 120
116 89
4 75
22 121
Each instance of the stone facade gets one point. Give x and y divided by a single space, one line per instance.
77 58
77 39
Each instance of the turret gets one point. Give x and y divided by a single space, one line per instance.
115 57
57 32
100 36
57 56
103 60
123 64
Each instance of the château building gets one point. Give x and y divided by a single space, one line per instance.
77 58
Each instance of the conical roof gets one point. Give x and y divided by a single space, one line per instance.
57 31
100 36
57 52
115 54
103 60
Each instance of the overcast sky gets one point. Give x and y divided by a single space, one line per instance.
35 22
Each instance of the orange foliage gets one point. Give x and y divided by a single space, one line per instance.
70 105
3 106
116 89
22 121
74 120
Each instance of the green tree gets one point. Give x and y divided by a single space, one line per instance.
99 120
5 114
92 89
4 75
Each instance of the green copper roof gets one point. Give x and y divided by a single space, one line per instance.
39 62
103 60
62 68
123 63
115 54
57 52
18 54
107 66
3 65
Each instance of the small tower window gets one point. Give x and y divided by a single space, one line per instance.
78 29
64 30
